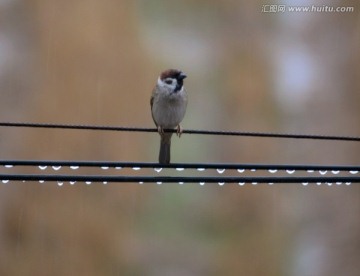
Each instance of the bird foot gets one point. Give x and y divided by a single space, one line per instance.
179 130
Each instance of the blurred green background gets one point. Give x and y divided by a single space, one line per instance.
96 62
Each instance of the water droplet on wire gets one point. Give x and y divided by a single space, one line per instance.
41 181
201 169
74 167
42 167
72 182
323 172
181 183
305 183
104 168
220 171
87 182
221 183
179 169
136 168
8 166
318 183
240 170
347 183
273 171
60 183
241 183
290 171
253 170
141 182
254 183
5 181
202 183
335 172
310 171
118 168
353 172
159 182
105 182
338 183
158 170
56 168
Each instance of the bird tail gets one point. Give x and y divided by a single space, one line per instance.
165 143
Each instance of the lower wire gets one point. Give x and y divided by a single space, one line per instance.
175 179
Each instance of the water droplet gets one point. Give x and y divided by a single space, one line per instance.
118 168
136 168
253 170
318 183
329 183
254 183
338 183
159 182
41 181
335 172
141 182
56 168
104 167
202 183
353 172
310 171
305 183
72 182
290 171
42 167
180 169
60 183
241 183
347 183
271 183
221 183
74 167
105 182
5 181
240 170
158 170
201 169
181 183
323 172
273 171
220 171
8 166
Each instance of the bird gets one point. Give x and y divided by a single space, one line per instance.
168 106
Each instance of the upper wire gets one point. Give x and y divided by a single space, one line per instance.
188 131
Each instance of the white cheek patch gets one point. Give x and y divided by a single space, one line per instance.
162 84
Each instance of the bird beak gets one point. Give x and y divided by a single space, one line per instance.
182 76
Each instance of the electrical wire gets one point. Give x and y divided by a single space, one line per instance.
203 132
176 179
198 166
333 177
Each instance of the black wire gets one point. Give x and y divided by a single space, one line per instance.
228 166
204 132
175 179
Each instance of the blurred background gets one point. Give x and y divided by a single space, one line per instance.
249 69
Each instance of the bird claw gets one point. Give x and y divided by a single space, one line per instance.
179 130
160 130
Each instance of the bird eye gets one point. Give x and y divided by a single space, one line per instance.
168 81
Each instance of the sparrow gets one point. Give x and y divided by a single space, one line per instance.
168 106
